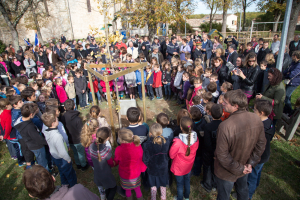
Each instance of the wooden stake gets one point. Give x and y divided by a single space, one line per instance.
110 110
143 92
92 88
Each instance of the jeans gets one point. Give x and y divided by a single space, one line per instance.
11 148
183 181
197 166
150 91
79 154
74 99
164 31
254 178
19 154
82 100
288 92
224 188
66 172
40 155
167 89
140 91
98 95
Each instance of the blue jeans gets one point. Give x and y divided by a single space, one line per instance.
167 89
140 91
41 158
19 154
183 181
254 178
79 154
74 99
98 95
11 148
197 166
164 31
66 172
288 92
82 100
150 91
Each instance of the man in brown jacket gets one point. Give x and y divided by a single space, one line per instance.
240 143
53 58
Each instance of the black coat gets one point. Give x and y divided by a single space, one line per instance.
2 70
287 61
222 72
232 58
166 76
293 48
16 68
43 59
251 73
73 125
269 132
62 54
163 48
156 157
246 52
198 127
197 54
261 55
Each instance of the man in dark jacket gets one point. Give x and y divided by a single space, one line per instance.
262 52
163 47
197 53
294 45
232 55
207 47
62 52
172 48
73 125
63 39
157 54
239 146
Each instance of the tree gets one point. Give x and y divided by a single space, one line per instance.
214 6
245 4
277 7
206 26
225 4
293 21
189 28
12 12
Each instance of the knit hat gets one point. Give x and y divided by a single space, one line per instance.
47 82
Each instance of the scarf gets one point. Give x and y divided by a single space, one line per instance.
148 76
17 63
4 65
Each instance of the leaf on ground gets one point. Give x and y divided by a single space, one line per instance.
14 188
7 176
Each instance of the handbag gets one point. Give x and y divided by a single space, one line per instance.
287 81
272 115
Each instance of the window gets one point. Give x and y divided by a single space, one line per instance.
232 22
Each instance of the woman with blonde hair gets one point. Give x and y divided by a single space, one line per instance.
270 60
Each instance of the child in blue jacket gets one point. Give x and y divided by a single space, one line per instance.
138 75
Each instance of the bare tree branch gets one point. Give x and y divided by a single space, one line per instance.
20 15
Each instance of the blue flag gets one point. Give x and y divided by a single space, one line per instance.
36 41
26 42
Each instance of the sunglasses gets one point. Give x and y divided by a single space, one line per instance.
251 60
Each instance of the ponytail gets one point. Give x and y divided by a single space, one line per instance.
159 140
102 134
186 125
99 156
127 136
136 140
188 150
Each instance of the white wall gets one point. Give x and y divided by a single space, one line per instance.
232 22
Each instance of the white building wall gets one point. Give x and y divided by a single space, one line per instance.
232 22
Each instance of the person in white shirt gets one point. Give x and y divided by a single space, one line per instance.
275 45
132 50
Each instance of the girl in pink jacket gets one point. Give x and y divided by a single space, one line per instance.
183 153
129 157
61 93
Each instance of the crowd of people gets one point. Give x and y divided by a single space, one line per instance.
43 89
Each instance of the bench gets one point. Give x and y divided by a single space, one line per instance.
288 125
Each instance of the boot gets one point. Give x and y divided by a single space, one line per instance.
166 97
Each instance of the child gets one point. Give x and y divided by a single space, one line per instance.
129 153
120 84
149 82
189 61
41 103
210 139
212 87
206 77
198 86
141 122
103 85
29 97
178 80
14 82
208 106
3 91
87 136
183 152
73 125
58 150
138 75
130 80
70 90
225 87
95 113
225 114
214 78
31 138
96 89
133 116
173 88
262 78
166 80
36 88
157 84
197 103
100 154
163 120
21 87
80 88
40 184
206 97
156 159
61 93
186 87
263 109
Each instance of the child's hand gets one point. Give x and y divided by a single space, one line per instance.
119 86
1 138
82 91
150 84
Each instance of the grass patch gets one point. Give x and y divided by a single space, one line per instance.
279 179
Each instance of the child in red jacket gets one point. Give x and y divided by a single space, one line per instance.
102 84
157 84
183 153
96 88
7 133
129 157
60 91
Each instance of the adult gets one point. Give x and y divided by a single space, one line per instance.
145 52
155 43
94 46
16 66
40 184
293 74
158 55
4 72
163 47
206 48
197 36
29 65
287 60
217 44
242 48
248 75
239 146
275 93
263 51
294 45
249 49
185 48
120 44
234 79
221 53
220 68
146 43
11 48
190 41
89 37
231 40
132 50
172 49
81 52
232 55
41 59
63 39
260 45
275 45
57 49
53 58
62 52
29 52
270 60
70 56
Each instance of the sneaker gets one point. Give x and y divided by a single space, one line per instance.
22 164
207 190
102 196
85 167
14 158
175 198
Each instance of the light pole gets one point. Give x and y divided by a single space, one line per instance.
185 26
